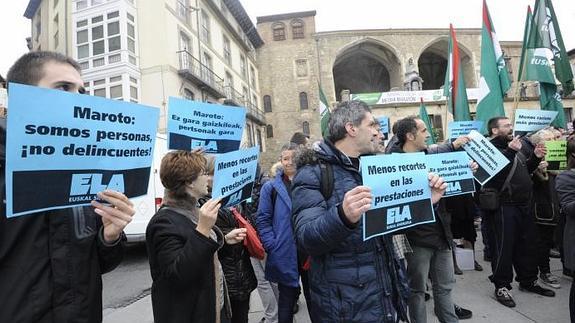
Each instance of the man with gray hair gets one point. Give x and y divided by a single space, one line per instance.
351 280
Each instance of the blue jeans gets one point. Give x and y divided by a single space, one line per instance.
439 264
287 299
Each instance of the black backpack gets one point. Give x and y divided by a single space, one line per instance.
325 184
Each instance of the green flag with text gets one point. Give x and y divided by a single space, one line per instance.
494 77
540 47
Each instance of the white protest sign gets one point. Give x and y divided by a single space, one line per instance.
490 160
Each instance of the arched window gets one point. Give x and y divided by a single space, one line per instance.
279 31
269 131
297 29
267 103
305 128
303 101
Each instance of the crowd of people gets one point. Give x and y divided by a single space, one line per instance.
307 212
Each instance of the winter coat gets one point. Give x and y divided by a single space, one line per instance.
182 268
435 235
565 185
274 225
234 258
51 263
520 188
351 280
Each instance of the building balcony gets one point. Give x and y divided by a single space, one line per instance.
255 114
252 111
196 72
236 97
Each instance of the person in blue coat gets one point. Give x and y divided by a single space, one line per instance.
273 222
351 280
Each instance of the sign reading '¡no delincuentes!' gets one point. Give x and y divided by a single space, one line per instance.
83 146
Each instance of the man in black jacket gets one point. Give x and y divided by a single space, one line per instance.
51 262
431 243
511 227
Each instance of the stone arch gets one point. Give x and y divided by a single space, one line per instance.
366 65
432 63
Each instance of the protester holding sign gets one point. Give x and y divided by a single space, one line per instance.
546 209
233 256
509 217
328 202
431 243
48 256
182 241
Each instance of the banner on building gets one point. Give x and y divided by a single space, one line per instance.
63 148
532 120
397 97
234 175
489 159
454 169
401 193
215 128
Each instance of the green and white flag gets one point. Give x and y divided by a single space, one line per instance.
546 20
324 114
425 118
494 81
454 88
542 42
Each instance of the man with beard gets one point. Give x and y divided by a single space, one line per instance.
511 226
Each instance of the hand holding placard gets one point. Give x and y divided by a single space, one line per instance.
208 216
515 144
116 216
460 141
356 202
438 187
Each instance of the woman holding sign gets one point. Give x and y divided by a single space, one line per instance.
182 241
234 257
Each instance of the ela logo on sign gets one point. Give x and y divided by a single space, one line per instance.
453 187
234 198
86 184
397 215
209 145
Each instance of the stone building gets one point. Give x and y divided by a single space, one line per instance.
403 64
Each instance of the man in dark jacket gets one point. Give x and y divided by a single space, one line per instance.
511 227
51 262
351 280
431 243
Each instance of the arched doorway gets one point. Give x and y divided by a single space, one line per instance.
432 65
366 67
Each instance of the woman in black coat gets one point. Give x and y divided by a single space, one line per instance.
182 241
235 258
565 185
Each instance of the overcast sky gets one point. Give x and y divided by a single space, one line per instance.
508 17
